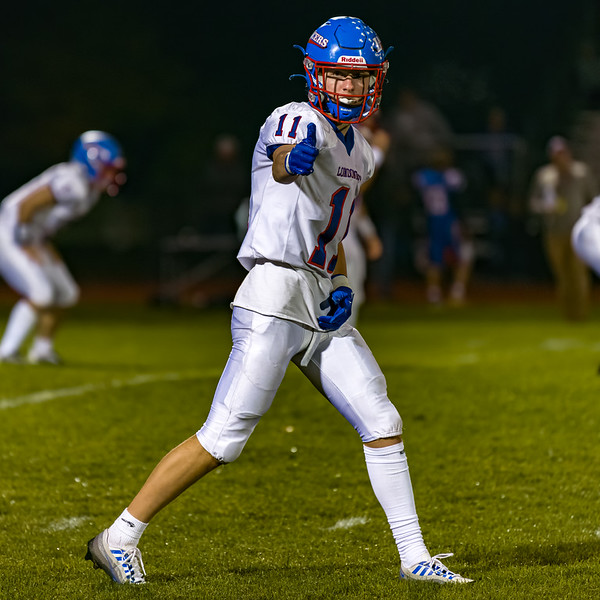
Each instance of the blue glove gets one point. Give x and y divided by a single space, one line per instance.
300 160
340 308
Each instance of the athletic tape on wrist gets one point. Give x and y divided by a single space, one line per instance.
340 280
286 164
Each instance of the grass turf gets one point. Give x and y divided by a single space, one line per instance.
501 414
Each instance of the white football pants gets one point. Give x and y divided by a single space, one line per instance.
47 284
341 367
586 235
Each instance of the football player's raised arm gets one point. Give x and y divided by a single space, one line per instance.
291 160
37 200
280 175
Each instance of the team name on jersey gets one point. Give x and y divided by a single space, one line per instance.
350 173
319 40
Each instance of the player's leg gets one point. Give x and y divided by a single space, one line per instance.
66 295
465 254
262 349
433 272
580 286
27 277
346 372
555 252
21 321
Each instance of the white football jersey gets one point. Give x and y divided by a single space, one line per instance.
71 189
290 248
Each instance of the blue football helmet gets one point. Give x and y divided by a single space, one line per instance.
345 47
97 150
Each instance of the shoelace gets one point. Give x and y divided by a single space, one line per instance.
437 565
132 564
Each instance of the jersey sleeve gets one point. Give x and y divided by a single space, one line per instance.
287 125
67 188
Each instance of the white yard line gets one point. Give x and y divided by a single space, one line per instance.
66 524
47 395
349 523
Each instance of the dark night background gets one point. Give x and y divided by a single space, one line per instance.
167 78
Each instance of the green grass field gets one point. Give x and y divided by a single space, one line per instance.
502 430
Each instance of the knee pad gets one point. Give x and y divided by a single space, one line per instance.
224 435
41 295
384 422
68 296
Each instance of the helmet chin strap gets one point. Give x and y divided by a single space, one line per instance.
339 107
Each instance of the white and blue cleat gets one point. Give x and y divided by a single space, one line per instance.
120 564
432 570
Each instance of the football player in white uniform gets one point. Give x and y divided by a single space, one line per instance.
308 166
29 263
585 235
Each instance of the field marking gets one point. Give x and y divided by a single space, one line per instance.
349 523
561 344
66 524
47 395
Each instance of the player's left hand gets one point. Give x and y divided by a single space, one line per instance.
340 309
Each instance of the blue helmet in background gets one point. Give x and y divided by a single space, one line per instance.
97 150
351 48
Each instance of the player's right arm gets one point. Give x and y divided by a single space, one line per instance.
280 175
26 232
38 199
291 160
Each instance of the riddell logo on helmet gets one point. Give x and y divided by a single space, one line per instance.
352 60
319 40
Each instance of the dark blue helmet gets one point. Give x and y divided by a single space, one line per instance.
345 47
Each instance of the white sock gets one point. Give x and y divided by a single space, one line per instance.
42 345
388 471
126 531
20 322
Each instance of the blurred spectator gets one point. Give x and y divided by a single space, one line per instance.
416 127
559 191
503 155
225 183
502 152
439 185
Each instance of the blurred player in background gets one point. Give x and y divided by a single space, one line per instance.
439 185
29 262
363 244
586 235
559 191
293 305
